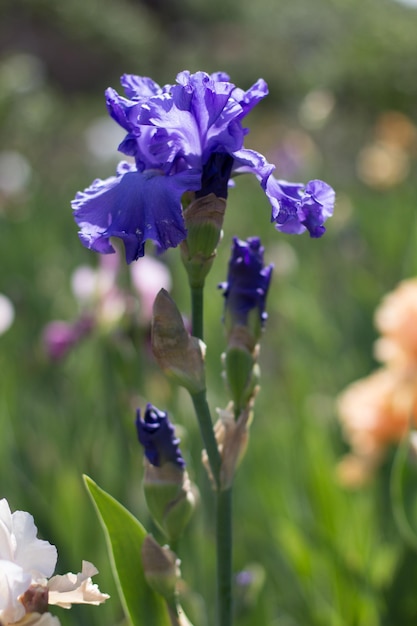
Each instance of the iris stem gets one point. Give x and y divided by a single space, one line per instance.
206 428
224 541
223 496
197 311
224 557
199 399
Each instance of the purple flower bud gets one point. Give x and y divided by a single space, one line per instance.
157 435
247 282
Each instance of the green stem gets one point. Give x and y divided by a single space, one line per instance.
197 311
224 497
224 557
200 399
206 428
224 540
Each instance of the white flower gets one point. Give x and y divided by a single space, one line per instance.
24 559
26 563
6 313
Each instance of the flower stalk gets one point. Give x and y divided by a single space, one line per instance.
224 529
207 433
197 313
224 541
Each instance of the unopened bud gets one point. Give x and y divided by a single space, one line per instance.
162 573
232 437
178 354
170 496
241 369
204 220
246 289
161 569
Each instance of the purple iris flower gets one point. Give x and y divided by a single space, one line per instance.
247 281
186 137
157 435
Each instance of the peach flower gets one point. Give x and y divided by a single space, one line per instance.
375 412
396 320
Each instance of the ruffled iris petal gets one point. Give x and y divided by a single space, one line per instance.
120 109
250 161
250 98
297 208
322 194
139 87
134 207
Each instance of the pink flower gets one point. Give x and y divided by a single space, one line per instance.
149 276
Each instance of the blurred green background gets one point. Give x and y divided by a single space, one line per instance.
342 107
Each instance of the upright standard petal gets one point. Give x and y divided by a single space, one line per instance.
19 543
200 115
250 98
140 87
133 206
35 555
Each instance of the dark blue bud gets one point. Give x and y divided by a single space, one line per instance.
247 282
157 435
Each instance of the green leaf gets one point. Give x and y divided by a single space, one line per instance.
124 537
404 491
